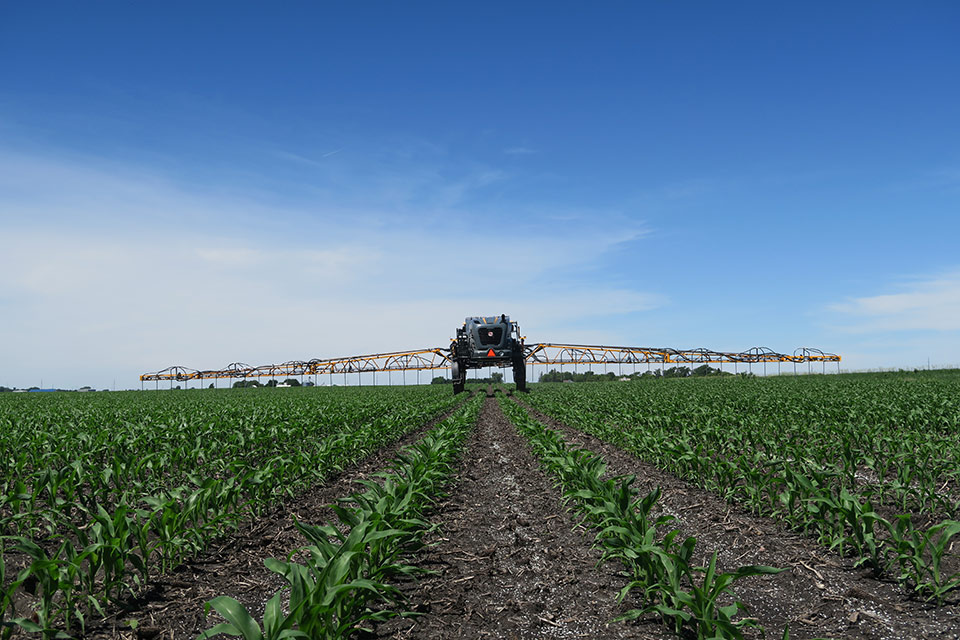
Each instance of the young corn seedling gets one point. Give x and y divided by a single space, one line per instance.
698 606
239 622
861 521
331 594
906 548
827 518
631 535
52 580
6 595
920 557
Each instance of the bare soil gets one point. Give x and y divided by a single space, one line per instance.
509 563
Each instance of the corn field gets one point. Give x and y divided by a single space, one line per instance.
789 507
868 468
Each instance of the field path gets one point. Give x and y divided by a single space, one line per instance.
233 566
821 596
509 564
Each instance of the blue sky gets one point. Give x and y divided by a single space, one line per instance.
203 184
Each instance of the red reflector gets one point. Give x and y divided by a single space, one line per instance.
491 354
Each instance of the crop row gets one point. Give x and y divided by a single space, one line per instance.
99 498
346 579
687 597
802 463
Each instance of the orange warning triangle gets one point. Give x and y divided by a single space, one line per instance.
491 354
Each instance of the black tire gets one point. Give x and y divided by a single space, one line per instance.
520 374
458 371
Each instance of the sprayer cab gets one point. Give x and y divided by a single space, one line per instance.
487 341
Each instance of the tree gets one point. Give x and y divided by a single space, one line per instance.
271 382
293 382
586 376
496 377
439 380
707 370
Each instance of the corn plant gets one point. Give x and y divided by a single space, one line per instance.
6 596
239 622
698 605
49 576
331 594
918 556
861 522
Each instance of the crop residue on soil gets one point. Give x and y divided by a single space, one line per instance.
509 563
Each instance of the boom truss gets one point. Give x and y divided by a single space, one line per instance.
539 353
550 353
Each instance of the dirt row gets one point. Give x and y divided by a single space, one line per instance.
173 609
508 561
822 594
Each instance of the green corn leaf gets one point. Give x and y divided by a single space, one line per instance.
756 570
275 625
27 625
222 628
633 614
238 616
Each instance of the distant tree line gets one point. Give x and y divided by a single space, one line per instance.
12 389
702 371
242 384
495 378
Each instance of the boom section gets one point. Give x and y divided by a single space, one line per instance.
417 360
554 353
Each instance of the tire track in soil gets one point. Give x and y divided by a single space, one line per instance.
509 563
821 596
233 566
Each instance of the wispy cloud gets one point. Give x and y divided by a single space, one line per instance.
297 158
519 151
944 178
138 304
155 274
304 160
926 304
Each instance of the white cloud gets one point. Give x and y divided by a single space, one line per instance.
519 151
231 257
111 273
929 304
91 307
44 192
